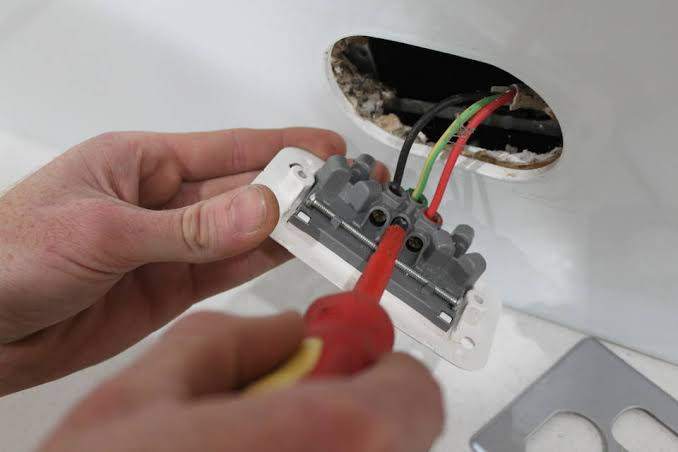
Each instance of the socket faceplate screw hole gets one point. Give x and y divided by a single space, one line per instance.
478 299
378 217
298 169
468 343
414 244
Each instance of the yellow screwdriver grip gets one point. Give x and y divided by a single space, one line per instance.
296 368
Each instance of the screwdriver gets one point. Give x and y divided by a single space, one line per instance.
345 332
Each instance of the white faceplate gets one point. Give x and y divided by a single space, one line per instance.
290 175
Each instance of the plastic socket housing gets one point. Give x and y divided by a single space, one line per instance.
330 217
348 212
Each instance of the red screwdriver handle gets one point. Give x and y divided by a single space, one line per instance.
354 329
354 333
346 332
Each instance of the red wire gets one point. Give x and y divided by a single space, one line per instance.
474 122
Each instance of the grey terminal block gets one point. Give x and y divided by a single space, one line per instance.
348 212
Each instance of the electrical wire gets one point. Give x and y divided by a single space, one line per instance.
484 112
451 131
418 127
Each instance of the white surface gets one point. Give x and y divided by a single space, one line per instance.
524 347
467 345
590 243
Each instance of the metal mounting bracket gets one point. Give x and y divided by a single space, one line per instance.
590 381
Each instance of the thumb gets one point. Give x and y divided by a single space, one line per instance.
210 230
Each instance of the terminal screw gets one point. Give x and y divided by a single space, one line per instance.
414 244
378 217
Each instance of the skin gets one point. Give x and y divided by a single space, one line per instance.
121 234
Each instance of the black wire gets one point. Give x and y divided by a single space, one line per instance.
419 126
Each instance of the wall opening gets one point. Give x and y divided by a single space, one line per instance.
391 84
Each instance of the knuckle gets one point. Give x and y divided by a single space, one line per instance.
118 152
114 388
411 369
107 137
428 385
353 425
205 336
109 141
238 151
423 393
196 230
119 391
201 321
112 138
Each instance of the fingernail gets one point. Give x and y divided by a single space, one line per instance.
248 210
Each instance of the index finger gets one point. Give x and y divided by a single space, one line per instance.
205 155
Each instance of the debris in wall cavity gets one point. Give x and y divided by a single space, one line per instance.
392 124
511 158
366 94
525 98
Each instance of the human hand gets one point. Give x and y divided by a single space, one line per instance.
183 396
123 232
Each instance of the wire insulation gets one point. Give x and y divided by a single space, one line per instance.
419 126
478 119
451 131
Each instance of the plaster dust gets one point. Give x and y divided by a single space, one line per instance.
365 94
512 158
526 98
